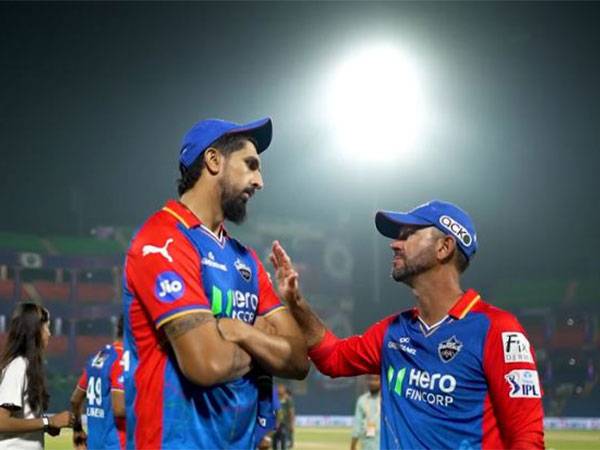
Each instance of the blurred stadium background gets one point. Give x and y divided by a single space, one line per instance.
78 279
95 98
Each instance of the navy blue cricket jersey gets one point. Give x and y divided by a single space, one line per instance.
468 382
176 266
102 375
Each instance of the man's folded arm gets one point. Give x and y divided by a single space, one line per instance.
277 345
203 356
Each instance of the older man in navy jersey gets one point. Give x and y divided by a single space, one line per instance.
456 371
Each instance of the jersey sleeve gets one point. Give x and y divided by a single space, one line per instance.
116 372
268 301
355 355
13 383
514 386
83 380
163 271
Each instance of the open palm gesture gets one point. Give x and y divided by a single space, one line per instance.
285 273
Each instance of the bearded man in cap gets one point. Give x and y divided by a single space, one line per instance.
194 301
456 371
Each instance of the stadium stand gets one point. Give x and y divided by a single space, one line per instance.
78 279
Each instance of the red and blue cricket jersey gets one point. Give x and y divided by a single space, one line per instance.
102 375
176 266
467 382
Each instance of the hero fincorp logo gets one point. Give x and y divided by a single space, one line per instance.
244 306
169 287
523 384
516 347
457 230
434 388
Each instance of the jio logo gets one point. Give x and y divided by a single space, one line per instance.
169 287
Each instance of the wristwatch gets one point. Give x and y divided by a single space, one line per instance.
46 422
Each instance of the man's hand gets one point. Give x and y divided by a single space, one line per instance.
310 324
79 440
285 273
53 431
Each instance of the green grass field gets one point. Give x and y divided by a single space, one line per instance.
339 438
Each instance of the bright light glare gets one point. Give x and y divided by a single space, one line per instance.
376 104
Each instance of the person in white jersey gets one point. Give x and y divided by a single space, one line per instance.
23 393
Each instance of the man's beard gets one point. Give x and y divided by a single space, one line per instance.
233 203
419 264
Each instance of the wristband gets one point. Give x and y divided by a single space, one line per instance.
46 422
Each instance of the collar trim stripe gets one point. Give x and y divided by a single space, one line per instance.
469 307
177 216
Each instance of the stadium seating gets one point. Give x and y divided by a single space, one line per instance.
22 242
571 331
85 246
7 289
58 346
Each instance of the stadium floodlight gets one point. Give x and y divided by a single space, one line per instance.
376 104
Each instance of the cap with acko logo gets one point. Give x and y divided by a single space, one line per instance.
206 132
445 216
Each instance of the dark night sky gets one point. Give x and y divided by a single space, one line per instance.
95 98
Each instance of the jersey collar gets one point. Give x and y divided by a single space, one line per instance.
460 309
464 304
181 212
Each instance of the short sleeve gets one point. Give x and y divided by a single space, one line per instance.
116 372
163 272
83 380
12 385
514 385
268 301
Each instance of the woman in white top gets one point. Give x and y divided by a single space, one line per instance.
23 393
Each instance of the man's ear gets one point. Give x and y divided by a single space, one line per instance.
213 160
446 248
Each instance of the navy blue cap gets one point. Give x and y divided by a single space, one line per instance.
206 132
445 216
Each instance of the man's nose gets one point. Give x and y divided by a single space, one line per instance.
397 244
258 182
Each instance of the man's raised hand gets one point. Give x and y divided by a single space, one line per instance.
285 273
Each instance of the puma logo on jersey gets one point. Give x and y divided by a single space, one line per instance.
152 249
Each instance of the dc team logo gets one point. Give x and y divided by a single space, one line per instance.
523 384
169 287
449 348
516 347
244 270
